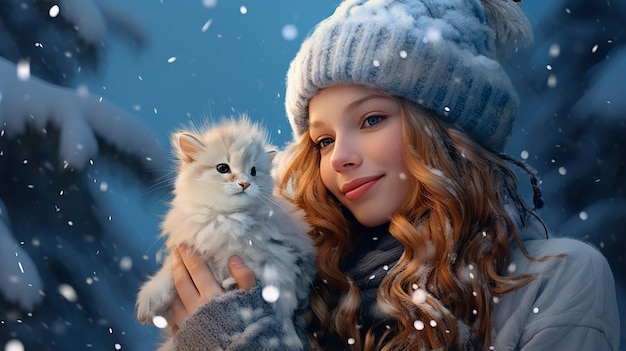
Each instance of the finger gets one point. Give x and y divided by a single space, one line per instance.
200 274
243 275
179 314
185 287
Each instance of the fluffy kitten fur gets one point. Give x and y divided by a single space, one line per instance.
224 205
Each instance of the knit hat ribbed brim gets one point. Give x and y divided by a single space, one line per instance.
441 55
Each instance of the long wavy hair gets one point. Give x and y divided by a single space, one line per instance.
456 228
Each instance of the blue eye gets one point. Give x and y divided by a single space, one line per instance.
372 120
325 142
253 172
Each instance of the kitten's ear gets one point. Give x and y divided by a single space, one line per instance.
188 146
271 154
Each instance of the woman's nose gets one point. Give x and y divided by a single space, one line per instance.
345 154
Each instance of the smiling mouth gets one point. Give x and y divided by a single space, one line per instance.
356 189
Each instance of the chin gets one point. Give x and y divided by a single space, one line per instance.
371 221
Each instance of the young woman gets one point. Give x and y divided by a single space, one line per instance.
400 111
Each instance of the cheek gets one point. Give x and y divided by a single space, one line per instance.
327 174
395 152
395 163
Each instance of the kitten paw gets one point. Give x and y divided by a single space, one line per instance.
152 303
145 311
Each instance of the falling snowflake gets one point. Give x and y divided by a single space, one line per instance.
126 263
270 293
432 35
290 32
554 51
67 292
524 155
14 345
159 322
23 70
206 25
54 11
419 296
209 3
552 81
512 268
419 325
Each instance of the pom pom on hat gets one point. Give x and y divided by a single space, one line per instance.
441 54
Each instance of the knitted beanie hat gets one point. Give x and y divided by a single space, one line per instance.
443 55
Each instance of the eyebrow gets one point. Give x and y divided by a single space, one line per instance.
353 105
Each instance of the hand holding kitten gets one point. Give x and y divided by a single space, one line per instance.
196 285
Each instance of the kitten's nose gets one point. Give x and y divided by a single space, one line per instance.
244 185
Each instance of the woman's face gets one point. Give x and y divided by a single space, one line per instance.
358 131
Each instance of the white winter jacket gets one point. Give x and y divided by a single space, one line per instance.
571 305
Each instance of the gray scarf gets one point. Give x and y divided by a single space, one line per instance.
374 254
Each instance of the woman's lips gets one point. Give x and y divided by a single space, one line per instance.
357 188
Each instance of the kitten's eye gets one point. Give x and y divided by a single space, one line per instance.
253 171
222 168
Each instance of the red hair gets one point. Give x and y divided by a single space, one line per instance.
456 230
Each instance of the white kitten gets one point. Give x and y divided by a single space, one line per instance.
224 205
